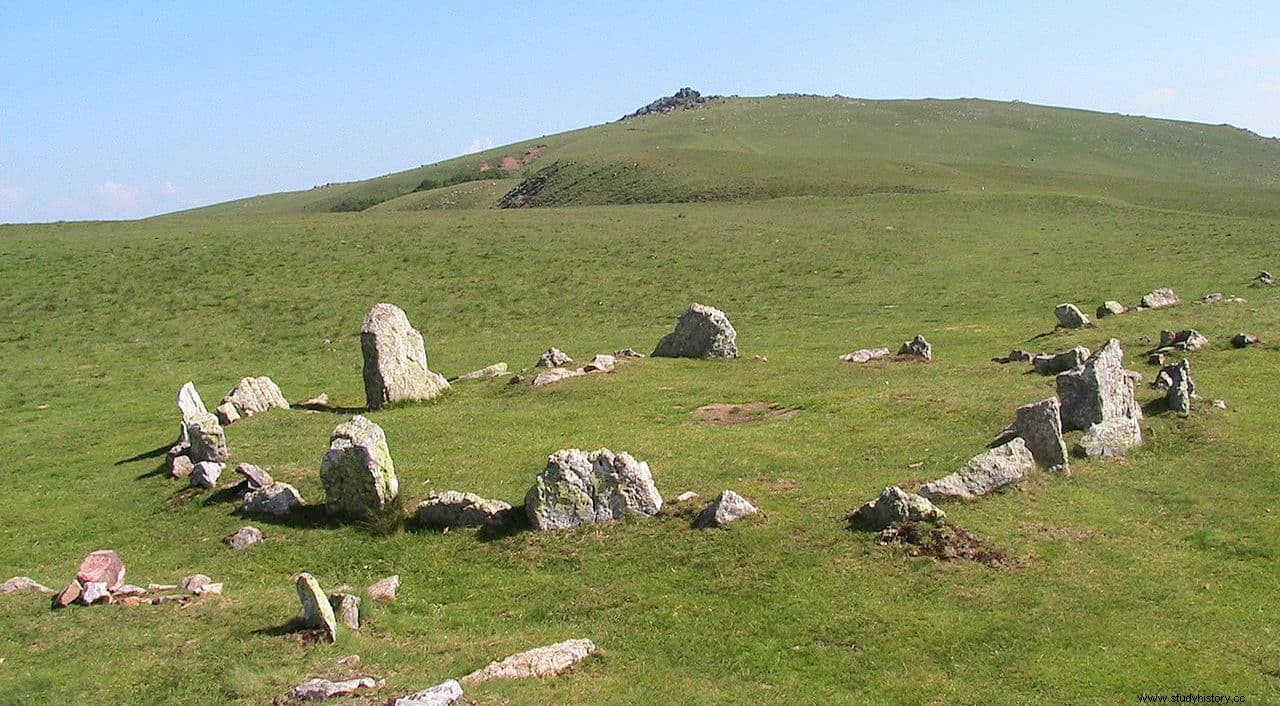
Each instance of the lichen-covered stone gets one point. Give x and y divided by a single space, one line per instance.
918 347
727 508
181 467
1110 307
1070 316
395 359
316 611
893 506
254 395
358 474
454 509
866 355
701 332
439 695
189 402
243 538
205 474
346 609
992 469
208 440
1060 362
1189 340
1098 391
275 500
384 589
578 488
553 358
1160 298
1039 425
536 663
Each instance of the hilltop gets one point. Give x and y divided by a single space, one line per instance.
689 149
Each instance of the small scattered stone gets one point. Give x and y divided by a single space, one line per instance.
1264 279
316 611
492 371
346 608
601 363
181 467
23 584
996 468
1017 355
1111 307
395 359
243 538
1244 340
727 508
1220 404
1189 340
254 477
227 413
439 695
205 474
917 347
1160 298
195 583
104 566
554 375
579 488
455 509
254 395
384 589
553 358
1212 298
686 496
896 505
701 332
536 663
627 353
320 689
320 401
1070 316
1060 362
358 473
275 500
866 355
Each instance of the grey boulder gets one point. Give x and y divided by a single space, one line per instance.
1070 316
275 500
254 395
316 611
395 359
358 474
243 538
701 332
1110 307
579 488
455 509
893 506
988 471
918 347
1159 298
553 358
727 508
1060 362
1100 393
205 474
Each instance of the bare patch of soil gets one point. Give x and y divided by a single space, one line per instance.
721 414
945 543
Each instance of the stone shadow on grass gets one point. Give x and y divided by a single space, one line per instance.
153 453
304 517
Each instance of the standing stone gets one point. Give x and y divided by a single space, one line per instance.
189 402
275 500
1244 340
395 359
579 488
893 506
1098 398
103 566
358 474
553 358
205 474
438 695
208 440
454 509
254 396
243 538
701 332
316 611
1040 426
1070 316
536 663
1160 298
1110 307
1180 388
866 355
917 347
727 508
984 473
346 608
1061 362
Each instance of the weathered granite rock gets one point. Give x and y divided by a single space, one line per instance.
103 566
554 375
243 538
1098 391
23 584
627 353
320 401
454 509
94 592
321 689
1061 362
1160 298
1039 425
893 506
1110 307
384 589
346 609
189 402
1111 438
68 595
536 663
439 695
701 332
1017 355
918 347
727 508
1186 340
254 477
395 359
1180 388
227 413
275 500
181 466
553 358
1213 298
1244 340
995 468
316 611
208 440
205 474
1070 316
601 363
866 355
1265 279
492 371
255 395
579 488
358 474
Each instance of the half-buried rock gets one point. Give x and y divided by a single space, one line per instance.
1070 316
358 474
395 359
536 663
701 332
727 508
893 506
1160 298
918 347
1001 466
1060 362
254 396
454 509
578 488
275 500
1098 398
316 611
1039 425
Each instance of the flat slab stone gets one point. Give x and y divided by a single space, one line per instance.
440 695
996 468
1060 362
455 509
866 355
536 663
321 689
554 375
492 371
23 584
1160 298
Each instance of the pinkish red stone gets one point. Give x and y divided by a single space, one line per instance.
102 566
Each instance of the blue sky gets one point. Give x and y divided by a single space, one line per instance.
127 109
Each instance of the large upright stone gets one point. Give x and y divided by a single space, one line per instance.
1040 425
996 468
1070 316
701 332
358 474
579 488
316 610
207 438
1098 398
1180 388
189 402
395 359
255 395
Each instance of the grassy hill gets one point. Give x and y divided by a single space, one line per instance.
1151 574
754 148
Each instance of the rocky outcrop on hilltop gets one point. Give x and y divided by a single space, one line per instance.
683 98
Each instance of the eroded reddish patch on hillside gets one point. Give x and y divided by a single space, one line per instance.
511 163
722 414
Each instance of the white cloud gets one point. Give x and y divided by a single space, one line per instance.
480 144
1160 96
120 197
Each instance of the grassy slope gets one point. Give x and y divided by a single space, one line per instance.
1155 573
749 148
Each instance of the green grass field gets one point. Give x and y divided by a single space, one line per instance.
1156 573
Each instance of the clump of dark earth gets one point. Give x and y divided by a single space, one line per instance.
683 99
946 543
